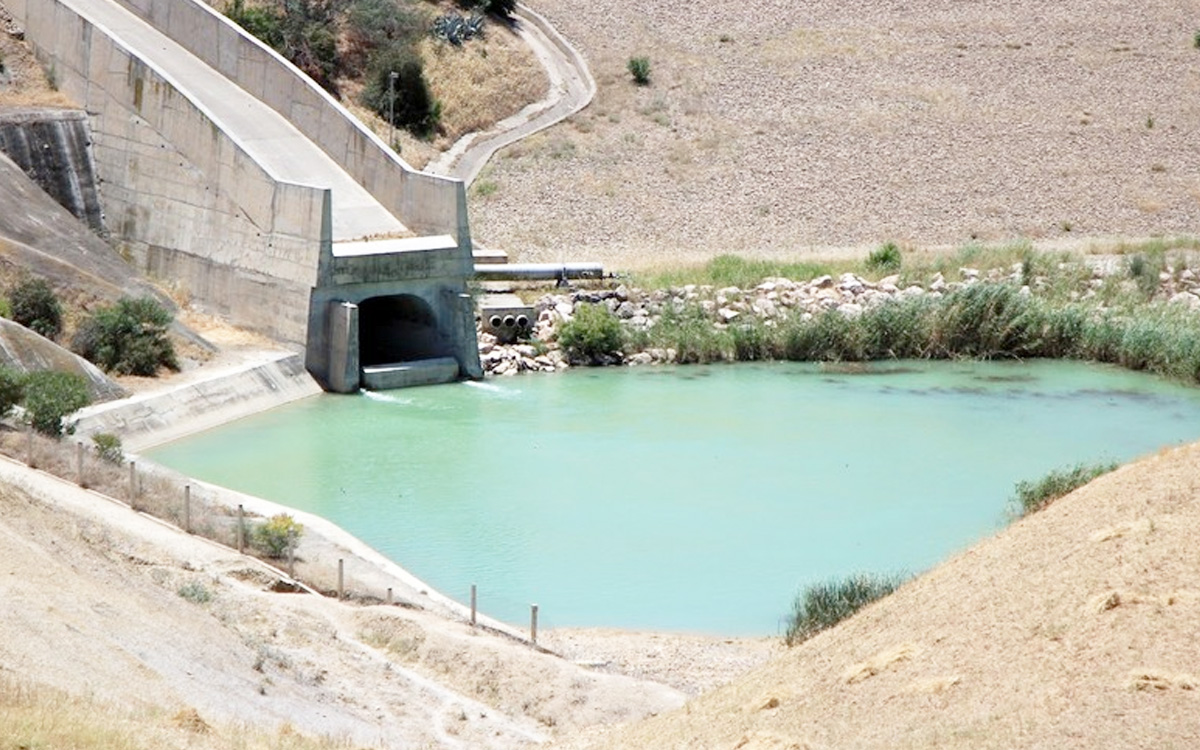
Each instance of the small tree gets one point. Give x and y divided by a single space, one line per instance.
129 338
277 536
408 100
35 306
639 68
50 396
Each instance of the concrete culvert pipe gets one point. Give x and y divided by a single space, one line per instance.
522 321
509 321
494 321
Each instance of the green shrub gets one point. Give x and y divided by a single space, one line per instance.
823 605
373 25
276 536
1032 496
129 338
263 22
593 332
35 306
503 9
195 592
108 447
50 396
413 107
5 308
1196 39
12 389
639 68
886 257
303 31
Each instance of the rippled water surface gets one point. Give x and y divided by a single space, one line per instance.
697 498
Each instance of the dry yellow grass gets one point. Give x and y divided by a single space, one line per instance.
35 716
481 82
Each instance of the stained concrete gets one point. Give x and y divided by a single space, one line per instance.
52 147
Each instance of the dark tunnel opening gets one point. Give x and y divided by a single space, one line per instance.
400 328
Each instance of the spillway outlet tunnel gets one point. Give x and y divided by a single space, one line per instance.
399 328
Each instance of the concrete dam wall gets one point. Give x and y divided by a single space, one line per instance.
52 147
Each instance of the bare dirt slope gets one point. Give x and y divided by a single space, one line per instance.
95 605
773 128
1074 628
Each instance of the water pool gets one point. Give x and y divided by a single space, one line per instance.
685 498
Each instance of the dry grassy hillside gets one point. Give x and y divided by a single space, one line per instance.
1074 628
775 127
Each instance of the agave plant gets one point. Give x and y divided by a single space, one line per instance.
456 29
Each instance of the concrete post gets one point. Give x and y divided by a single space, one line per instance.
341 578
187 508
133 485
343 347
241 529
389 595
533 609
472 605
79 464
292 561
29 447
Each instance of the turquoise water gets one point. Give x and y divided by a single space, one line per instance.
697 498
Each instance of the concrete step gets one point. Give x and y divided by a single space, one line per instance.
408 374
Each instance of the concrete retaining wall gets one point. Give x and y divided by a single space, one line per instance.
427 204
223 395
189 204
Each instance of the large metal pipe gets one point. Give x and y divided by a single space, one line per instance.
537 271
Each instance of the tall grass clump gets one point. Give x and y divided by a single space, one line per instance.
1032 496
689 330
753 340
827 337
886 257
823 605
987 321
1144 268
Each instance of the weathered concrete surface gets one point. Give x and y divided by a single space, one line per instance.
213 396
425 203
42 238
52 147
24 350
